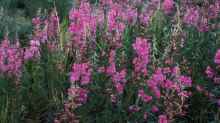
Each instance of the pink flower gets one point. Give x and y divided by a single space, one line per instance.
119 81
130 15
175 71
33 51
168 6
118 78
112 68
119 88
113 98
184 94
210 72
83 25
158 76
36 21
82 73
185 80
163 119
154 109
168 84
79 95
145 98
157 93
203 25
214 10
11 59
166 70
52 24
217 57
192 16
142 48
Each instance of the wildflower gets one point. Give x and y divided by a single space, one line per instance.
185 80
145 98
11 60
168 6
130 15
214 10
36 21
119 87
142 48
158 76
154 109
192 16
209 72
33 51
113 98
168 84
118 78
79 95
217 57
52 24
82 73
203 25
163 119
83 25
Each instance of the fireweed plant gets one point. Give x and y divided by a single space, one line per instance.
115 61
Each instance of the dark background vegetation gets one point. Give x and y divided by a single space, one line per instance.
16 15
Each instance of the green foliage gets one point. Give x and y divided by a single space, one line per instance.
40 93
16 15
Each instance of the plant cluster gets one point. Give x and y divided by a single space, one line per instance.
115 61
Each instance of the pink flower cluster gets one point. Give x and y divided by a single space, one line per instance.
113 16
11 58
33 51
166 79
200 17
210 72
214 10
81 73
83 24
168 6
46 29
118 78
163 119
79 95
185 80
40 33
52 25
191 16
147 12
142 48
